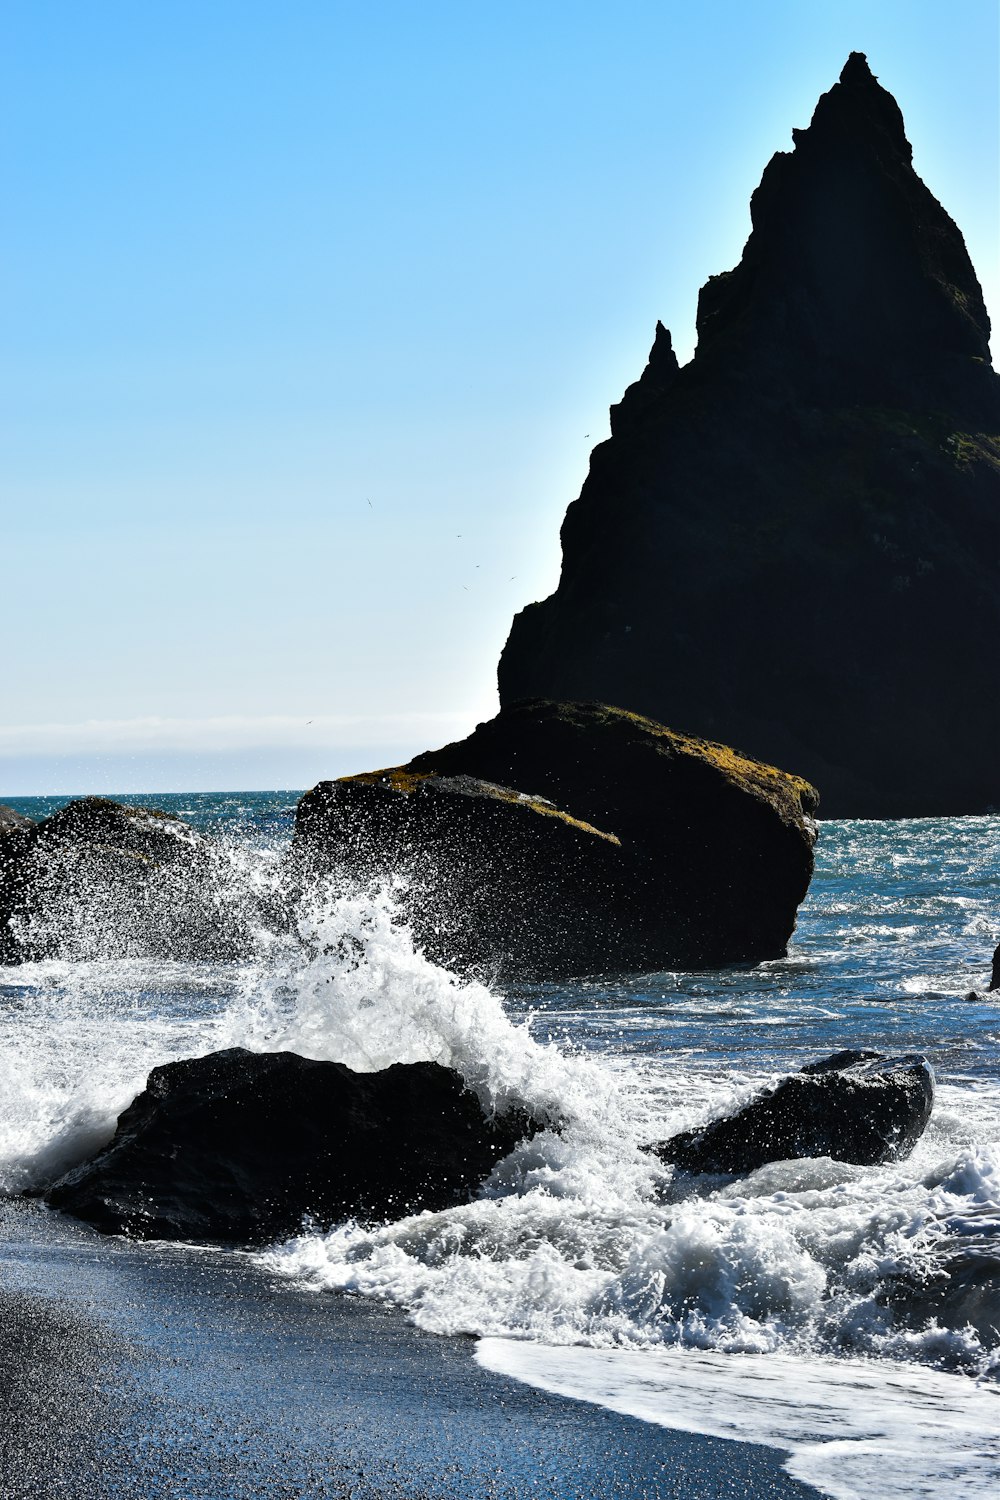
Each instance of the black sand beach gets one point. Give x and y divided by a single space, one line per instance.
155 1371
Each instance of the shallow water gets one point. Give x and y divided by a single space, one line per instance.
581 1240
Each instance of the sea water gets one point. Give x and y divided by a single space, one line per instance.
850 1315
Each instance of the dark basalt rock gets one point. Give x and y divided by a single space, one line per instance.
239 1147
16 836
995 976
854 1106
99 879
956 1281
791 543
571 839
495 881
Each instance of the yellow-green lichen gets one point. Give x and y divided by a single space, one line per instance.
746 773
396 778
967 448
399 779
544 809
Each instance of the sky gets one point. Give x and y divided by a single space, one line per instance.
311 313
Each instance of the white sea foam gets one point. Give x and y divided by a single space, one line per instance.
355 989
581 1235
571 1243
580 1238
77 1041
852 1429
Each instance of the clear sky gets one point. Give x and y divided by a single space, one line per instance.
312 312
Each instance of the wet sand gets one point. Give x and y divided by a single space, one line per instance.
164 1372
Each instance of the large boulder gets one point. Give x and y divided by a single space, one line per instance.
574 838
99 879
790 543
854 1106
240 1147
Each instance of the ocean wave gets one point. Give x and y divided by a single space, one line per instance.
581 1236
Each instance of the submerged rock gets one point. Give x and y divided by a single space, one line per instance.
574 838
99 879
241 1147
790 543
854 1106
956 1281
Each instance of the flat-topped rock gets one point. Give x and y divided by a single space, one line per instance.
563 839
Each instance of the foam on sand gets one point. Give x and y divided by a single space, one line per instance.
854 1429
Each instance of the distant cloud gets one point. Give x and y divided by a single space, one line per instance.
231 733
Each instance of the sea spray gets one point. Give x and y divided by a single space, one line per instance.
576 1247
355 989
581 1236
80 1031
77 1041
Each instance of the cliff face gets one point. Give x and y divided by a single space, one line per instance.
792 544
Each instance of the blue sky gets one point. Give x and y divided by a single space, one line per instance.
313 312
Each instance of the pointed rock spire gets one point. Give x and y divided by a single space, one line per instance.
792 544
853 269
646 393
858 106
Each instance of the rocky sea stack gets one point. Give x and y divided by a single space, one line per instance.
571 838
791 544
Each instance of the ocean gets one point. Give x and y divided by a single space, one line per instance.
846 1319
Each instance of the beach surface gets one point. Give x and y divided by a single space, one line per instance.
588 1325
162 1371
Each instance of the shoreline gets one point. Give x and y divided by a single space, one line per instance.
176 1373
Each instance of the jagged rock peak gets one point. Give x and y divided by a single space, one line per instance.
662 357
859 107
853 269
646 393
856 71
790 544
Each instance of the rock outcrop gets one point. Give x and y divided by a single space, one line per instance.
99 879
572 838
240 1147
955 1284
791 543
854 1106
12 822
